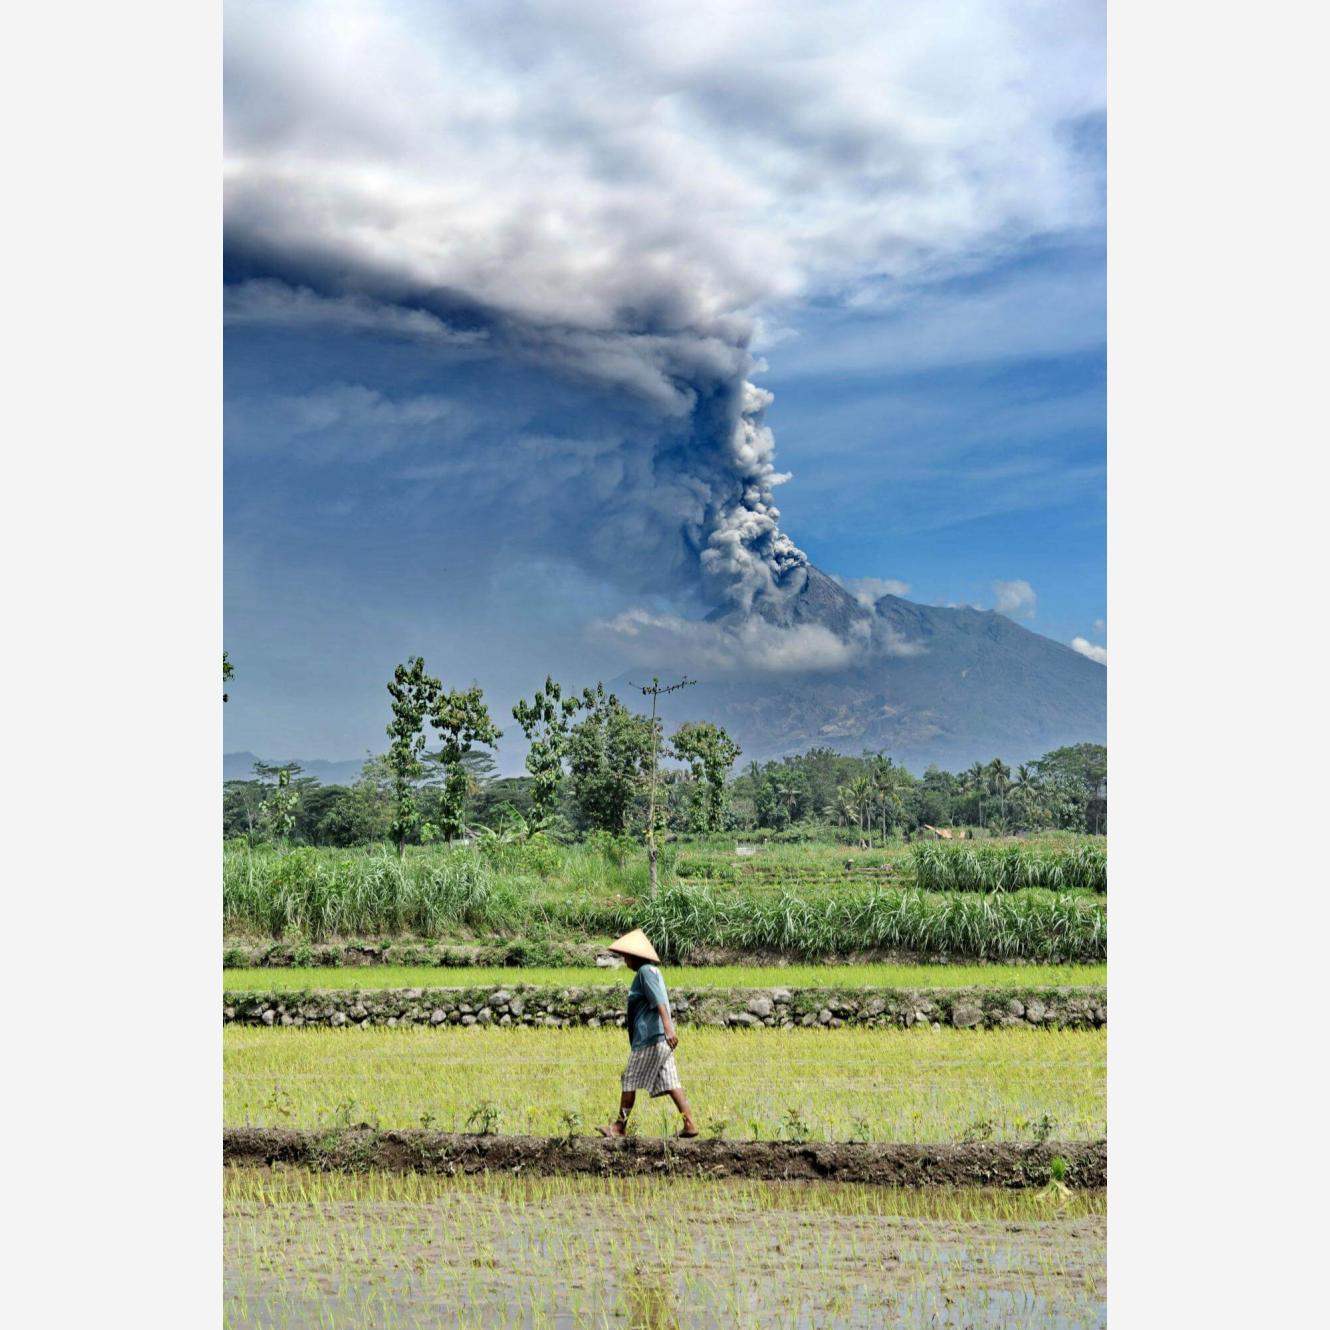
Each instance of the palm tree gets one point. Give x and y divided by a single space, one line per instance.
999 782
887 779
974 780
1025 789
861 796
841 810
788 794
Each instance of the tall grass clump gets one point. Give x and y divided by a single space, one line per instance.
942 867
318 896
1031 924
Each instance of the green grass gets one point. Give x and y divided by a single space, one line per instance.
319 894
282 979
999 866
401 1252
918 1085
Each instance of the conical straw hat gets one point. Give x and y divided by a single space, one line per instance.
635 944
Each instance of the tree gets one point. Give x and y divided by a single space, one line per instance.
888 780
710 752
462 720
654 691
997 777
861 798
609 754
241 801
414 695
1086 766
841 809
228 673
278 811
975 781
544 721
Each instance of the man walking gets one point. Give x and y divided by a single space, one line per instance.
651 1037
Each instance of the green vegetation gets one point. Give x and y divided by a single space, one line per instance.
917 1085
282 979
539 891
939 866
590 764
391 1250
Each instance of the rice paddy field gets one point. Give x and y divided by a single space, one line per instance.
298 979
873 1085
315 1250
308 1247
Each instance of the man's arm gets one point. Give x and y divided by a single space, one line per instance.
671 1036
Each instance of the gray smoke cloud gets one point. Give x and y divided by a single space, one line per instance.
628 196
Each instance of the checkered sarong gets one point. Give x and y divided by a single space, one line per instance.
652 1068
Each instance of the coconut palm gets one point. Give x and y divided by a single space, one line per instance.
974 781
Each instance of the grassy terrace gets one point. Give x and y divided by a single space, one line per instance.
403 1251
281 979
553 893
881 1085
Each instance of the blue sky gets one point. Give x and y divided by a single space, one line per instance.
488 339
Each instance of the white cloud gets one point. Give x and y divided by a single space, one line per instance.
720 649
751 645
869 590
665 160
1090 649
1016 599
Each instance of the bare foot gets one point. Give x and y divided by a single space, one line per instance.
689 1130
612 1129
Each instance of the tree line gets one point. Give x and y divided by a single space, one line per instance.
1066 788
590 764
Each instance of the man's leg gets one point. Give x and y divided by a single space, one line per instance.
681 1103
619 1126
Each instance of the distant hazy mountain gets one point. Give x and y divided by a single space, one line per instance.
922 683
928 684
240 766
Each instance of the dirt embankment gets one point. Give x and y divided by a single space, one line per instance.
984 1164
256 953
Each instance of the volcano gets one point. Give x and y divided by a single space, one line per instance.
925 684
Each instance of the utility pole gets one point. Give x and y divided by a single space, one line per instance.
655 689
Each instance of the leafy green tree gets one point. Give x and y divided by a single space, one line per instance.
609 757
1086 766
228 673
414 694
277 812
241 800
545 721
710 752
462 720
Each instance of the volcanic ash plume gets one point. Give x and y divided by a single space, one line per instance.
604 197
743 550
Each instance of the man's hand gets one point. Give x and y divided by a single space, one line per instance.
673 1040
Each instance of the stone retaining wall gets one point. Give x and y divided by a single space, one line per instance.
531 1005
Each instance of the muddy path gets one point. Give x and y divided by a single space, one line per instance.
986 1164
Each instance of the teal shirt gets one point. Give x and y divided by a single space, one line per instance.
647 993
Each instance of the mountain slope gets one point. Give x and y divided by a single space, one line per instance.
951 686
